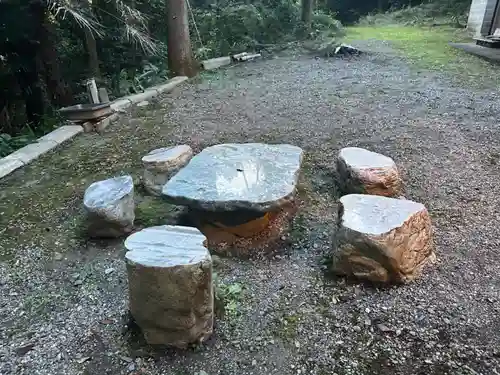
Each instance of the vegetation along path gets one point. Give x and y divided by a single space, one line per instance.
63 298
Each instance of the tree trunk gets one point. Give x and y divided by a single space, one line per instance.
58 89
307 9
29 83
91 47
180 55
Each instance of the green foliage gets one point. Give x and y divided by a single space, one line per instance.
350 11
245 27
227 297
444 12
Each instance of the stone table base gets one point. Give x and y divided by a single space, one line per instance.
259 235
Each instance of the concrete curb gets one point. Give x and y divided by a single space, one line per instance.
149 93
48 142
32 151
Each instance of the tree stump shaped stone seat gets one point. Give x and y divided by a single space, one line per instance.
110 207
239 195
170 285
382 239
163 163
365 172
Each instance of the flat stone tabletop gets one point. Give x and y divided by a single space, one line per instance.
228 177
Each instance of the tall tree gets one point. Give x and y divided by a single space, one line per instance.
307 9
180 54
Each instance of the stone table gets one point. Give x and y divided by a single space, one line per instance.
110 207
382 239
238 190
228 177
366 172
170 285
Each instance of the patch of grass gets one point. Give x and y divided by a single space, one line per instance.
151 211
287 327
428 48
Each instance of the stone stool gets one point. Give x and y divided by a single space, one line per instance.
382 239
110 207
366 172
170 285
163 163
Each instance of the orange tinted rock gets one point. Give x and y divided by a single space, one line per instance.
382 239
366 172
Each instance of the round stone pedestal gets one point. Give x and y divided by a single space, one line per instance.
382 239
365 172
170 285
163 163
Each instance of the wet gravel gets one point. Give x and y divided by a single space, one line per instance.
64 311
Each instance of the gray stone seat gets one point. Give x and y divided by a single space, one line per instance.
382 239
110 207
229 177
365 172
163 163
170 285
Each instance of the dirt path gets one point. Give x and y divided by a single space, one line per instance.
63 299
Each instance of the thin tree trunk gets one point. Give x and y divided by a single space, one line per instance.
180 55
91 47
307 9
58 89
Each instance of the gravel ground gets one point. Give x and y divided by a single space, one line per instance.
63 299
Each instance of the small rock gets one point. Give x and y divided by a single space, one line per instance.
254 362
356 328
22 350
144 103
107 271
126 359
383 328
216 261
131 367
82 360
58 256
